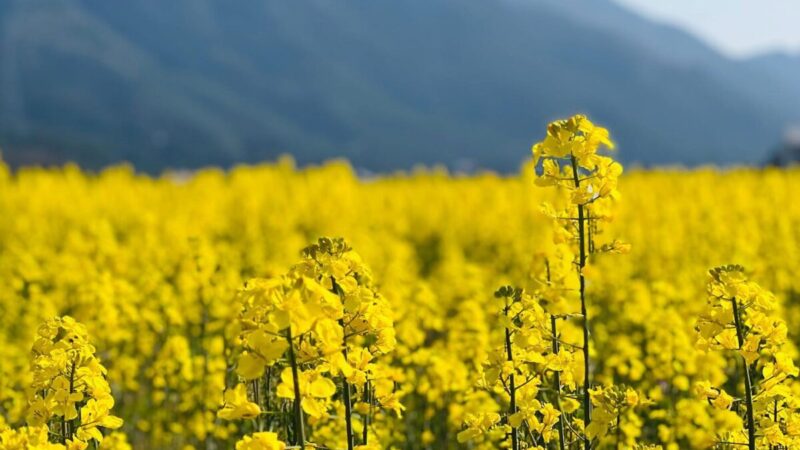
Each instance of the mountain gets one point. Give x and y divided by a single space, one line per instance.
782 68
386 84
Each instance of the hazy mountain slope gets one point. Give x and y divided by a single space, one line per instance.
756 82
386 84
782 68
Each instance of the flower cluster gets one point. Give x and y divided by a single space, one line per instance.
740 319
70 400
515 370
614 417
69 391
316 334
27 438
263 440
568 159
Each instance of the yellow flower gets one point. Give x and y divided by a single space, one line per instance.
27 438
78 444
477 425
237 405
723 400
96 413
315 390
261 441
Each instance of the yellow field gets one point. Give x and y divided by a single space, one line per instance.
155 269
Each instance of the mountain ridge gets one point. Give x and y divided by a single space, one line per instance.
387 85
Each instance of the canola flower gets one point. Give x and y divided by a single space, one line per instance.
322 321
70 400
740 319
155 267
263 440
69 389
570 161
514 373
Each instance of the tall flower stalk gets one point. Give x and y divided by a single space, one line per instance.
568 159
69 391
557 383
512 387
587 404
516 367
320 322
748 381
297 410
738 319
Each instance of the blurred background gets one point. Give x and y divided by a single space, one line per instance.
389 85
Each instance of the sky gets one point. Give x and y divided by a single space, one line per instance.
738 28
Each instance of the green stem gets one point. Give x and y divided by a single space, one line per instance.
512 409
561 439
299 432
268 389
587 403
368 401
64 431
257 401
748 386
348 407
72 425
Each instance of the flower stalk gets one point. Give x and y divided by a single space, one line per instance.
512 389
368 401
748 387
557 379
587 402
299 432
348 404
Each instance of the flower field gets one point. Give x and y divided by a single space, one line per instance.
441 311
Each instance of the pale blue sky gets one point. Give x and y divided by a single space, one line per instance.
738 28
